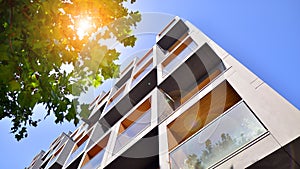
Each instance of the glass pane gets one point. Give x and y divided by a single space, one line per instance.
141 75
221 138
51 162
133 130
77 152
95 161
115 100
179 58
144 60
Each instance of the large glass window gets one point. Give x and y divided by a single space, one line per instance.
135 123
225 135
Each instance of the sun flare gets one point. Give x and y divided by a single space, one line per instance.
83 27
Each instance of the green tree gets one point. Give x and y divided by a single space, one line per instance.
38 37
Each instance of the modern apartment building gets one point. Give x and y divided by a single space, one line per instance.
185 104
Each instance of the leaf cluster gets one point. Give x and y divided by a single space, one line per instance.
38 37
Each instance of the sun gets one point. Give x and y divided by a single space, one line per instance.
83 27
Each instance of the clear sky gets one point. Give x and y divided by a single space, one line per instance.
262 34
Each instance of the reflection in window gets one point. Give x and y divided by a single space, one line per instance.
135 123
227 134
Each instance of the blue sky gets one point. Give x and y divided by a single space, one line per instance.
262 35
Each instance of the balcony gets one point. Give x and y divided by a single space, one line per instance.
223 136
76 153
133 130
190 76
138 76
178 55
144 59
116 98
94 156
171 34
142 154
95 161
52 161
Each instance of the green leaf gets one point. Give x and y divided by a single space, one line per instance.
14 85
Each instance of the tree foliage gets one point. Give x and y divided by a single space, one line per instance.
39 37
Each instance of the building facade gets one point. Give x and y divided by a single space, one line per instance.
185 104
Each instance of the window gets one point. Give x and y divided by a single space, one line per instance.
135 123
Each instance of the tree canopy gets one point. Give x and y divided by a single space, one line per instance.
39 37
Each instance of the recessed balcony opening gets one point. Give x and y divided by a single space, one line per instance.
144 59
94 156
144 154
172 34
75 163
116 97
45 163
92 105
144 81
142 72
103 97
192 76
78 148
201 113
52 164
124 79
212 129
126 68
178 55
134 124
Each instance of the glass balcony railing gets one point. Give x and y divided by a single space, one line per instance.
95 161
78 151
116 99
52 161
144 60
167 28
141 75
221 138
179 58
133 130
